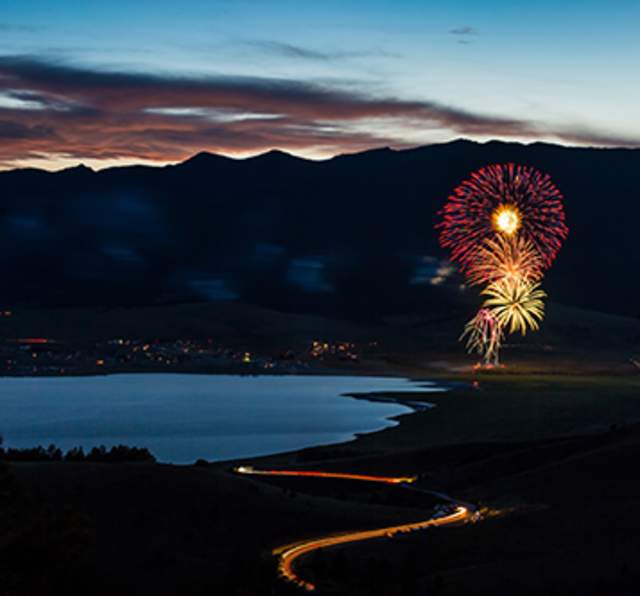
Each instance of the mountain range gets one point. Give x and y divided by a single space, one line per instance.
347 235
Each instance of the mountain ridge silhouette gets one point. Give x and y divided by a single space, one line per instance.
351 232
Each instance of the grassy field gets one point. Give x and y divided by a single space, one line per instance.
571 340
547 446
553 455
500 407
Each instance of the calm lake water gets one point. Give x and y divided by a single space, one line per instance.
181 418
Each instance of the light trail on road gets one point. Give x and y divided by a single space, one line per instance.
288 554
317 474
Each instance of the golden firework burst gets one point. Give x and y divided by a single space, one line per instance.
511 257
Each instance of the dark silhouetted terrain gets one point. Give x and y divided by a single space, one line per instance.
292 234
558 506
267 255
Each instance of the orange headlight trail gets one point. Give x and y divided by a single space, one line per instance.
288 554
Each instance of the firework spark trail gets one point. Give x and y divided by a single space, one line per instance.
484 336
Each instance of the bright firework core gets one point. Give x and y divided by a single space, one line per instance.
506 219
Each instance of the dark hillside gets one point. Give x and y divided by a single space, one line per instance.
294 234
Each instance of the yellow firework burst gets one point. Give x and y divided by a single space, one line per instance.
517 304
505 257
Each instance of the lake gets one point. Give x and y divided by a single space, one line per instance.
182 417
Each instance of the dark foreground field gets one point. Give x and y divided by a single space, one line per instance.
547 447
551 461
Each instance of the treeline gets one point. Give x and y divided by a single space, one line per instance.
117 454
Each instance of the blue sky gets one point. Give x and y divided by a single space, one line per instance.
557 71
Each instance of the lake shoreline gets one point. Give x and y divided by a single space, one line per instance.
252 411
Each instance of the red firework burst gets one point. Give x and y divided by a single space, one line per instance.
503 198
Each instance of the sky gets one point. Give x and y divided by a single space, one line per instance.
156 81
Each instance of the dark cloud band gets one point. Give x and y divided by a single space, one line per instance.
53 108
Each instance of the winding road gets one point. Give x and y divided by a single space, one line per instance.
288 554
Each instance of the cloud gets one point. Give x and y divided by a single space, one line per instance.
587 136
89 114
290 51
294 51
13 28
466 31
15 131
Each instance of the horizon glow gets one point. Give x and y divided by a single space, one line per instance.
156 82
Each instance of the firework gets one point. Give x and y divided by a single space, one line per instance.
515 303
504 226
503 200
484 336
511 257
